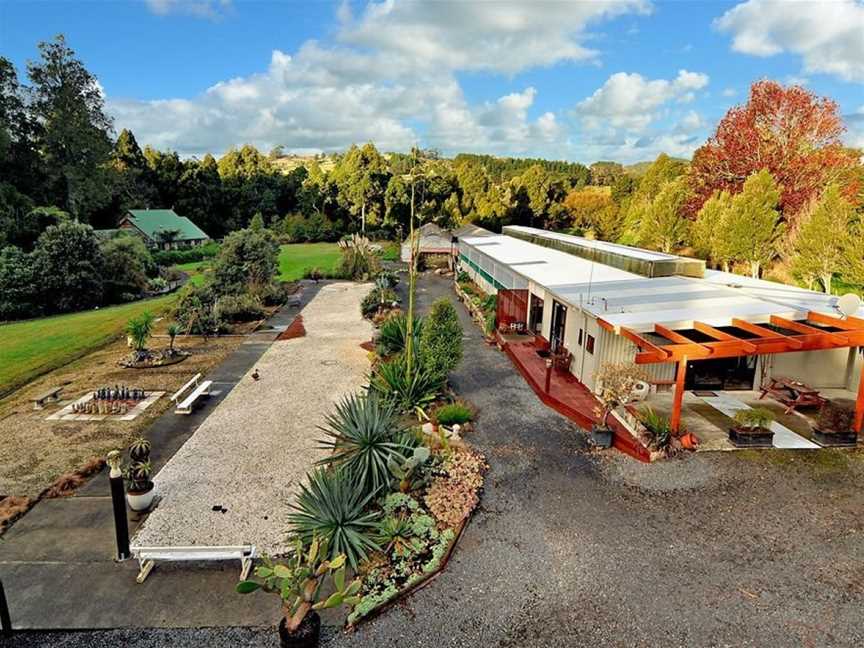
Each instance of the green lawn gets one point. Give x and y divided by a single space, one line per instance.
296 258
195 270
28 349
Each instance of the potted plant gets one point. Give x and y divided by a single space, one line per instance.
616 383
835 423
752 428
140 489
298 583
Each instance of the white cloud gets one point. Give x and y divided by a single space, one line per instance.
691 121
390 79
630 101
729 92
829 36
202 8
505 36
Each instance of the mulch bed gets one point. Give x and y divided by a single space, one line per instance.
295 330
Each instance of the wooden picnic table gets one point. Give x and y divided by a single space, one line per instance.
792 393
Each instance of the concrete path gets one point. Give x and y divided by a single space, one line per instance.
248 458
783 437
57 561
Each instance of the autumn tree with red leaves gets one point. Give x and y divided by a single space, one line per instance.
789 131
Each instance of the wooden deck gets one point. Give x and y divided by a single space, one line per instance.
566 395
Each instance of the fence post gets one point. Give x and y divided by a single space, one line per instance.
5 619
118 500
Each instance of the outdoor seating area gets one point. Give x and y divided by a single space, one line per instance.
792 393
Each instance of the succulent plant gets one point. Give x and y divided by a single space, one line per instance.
139 449
405 469
298 580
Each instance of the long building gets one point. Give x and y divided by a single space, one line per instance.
689 326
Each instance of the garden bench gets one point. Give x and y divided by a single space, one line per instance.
792 394
147 557
51 395
198 388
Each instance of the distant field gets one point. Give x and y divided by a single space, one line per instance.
295 259
195 270
28 349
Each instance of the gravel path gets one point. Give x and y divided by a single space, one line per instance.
252 451
743 549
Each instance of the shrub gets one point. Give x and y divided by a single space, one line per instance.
376 299
188 255
754 418
127 263
363 435
390 380
387 279
238 308
19 285
391 252
330 508
463 277
194 311
659 428
139 329
359 259
837 416
441 340
454 413
392 335
247 258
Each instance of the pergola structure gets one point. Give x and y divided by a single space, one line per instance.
818 331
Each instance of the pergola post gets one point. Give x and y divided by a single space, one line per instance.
859 403
680 374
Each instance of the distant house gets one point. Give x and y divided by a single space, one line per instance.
438 242
163 229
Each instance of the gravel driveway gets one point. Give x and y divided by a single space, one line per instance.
250 454
587 549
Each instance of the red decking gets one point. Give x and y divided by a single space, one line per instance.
566 395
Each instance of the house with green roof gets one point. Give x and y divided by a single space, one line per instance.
163 228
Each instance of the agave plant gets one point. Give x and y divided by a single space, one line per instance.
331 508
391 337
363 436
391 381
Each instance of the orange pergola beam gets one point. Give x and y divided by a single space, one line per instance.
859 404
672 336
765 333
644 344
804 329
723 336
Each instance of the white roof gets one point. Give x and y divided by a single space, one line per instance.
626 299
624 250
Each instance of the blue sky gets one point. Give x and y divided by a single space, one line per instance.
620 79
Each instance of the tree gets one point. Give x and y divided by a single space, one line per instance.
786 130
20 165
362 176
20 295
75 130
754 222
441 340
710 234
623 186
70 266
134 185
248 260
538 187
823 240
127 262
663 225
585 205
605 173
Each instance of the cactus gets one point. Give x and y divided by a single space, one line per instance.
405 470
298 581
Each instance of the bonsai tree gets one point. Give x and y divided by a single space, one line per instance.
752 421
139 330
616 383
298 580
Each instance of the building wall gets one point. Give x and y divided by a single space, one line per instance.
827 369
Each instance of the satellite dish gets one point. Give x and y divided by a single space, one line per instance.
849 304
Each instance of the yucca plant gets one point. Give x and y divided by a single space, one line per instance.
139 330
391 337
330 507
391 381
363 435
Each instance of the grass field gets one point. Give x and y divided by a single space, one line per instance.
28 349
196 271
295 259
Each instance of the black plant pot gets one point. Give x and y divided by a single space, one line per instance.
758 438
306 636
601 436
835 439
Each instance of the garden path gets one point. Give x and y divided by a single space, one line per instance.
248 458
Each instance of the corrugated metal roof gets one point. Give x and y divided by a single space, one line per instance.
153 221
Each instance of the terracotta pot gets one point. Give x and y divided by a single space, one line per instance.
306 636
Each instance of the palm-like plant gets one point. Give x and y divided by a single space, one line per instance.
139 330
173 331
331 508
363 435
405 391
391 338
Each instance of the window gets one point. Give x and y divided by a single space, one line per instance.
580 337
589 344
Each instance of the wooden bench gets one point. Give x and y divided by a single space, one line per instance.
198 388
52 395
147 557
